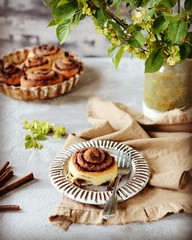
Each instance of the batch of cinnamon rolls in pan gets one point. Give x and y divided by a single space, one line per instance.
39 66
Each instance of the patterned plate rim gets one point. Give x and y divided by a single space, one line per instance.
140 174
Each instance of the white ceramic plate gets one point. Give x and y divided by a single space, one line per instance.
138 178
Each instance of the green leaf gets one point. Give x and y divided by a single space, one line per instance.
172 17
62 32
27 137
41 137
54 21
37 145
76 19
137 40
95 21
65 11
168 3
140 38
132 28
154 62
97 3
51 4
185 50
150 13
62 2
160 24
117 56
28 144
151 3
111 48
177 31
118 8
188 5
101 17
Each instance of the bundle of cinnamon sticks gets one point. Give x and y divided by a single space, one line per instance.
5 175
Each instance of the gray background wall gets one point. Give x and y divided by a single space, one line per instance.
23 23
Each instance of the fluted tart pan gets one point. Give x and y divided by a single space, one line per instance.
40 92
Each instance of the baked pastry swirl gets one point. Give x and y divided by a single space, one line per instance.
10 74
41 77
92 166
46 50
67 66
35 63
16 58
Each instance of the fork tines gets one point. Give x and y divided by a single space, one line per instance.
123 159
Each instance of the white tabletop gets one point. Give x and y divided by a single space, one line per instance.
39 199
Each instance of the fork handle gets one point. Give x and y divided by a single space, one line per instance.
110 207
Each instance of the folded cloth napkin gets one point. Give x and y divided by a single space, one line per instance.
167 147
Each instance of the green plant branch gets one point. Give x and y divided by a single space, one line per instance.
116 19
155 18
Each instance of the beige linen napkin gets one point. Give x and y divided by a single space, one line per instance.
167 147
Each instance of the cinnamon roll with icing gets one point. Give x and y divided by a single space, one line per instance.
35 63
67 66
41 77
46 50
92 166
10 74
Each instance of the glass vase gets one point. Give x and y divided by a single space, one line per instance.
167 89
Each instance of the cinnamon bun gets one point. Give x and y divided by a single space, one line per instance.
16 58
35 63
41 77
66 66
92 166
10 74
46 50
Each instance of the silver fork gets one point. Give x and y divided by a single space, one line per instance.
124 169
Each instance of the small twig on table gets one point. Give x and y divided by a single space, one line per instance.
4 208
2 169
5 176
16 184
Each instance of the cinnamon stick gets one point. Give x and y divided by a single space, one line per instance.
4 208
8 174
16 184
2 169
